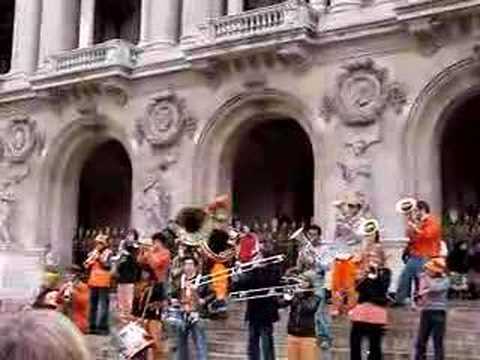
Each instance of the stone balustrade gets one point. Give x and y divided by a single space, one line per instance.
111 53
277 18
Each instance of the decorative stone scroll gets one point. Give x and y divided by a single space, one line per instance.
363 93
165 121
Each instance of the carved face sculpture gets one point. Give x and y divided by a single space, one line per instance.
358 147
19 139
162 117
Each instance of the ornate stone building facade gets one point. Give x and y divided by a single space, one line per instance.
372 85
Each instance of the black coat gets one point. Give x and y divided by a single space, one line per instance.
262 311
375 290
128 270
301 321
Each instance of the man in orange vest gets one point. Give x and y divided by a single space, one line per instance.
98 264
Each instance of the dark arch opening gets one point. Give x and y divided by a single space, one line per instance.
273 172
460 146
105 193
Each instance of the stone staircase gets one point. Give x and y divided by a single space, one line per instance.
227 339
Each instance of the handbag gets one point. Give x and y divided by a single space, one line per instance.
369 313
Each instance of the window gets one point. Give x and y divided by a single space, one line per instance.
7 14
255 4
117 19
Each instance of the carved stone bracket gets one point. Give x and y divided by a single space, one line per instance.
296 56
427 32
362 94
85 95
165 121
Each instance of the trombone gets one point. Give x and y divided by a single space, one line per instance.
239 269
274 291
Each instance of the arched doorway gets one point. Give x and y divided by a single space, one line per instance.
105 191
459 149
273 172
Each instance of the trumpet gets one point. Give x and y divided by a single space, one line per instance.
407 207
239 269
369 227
91 258
274 291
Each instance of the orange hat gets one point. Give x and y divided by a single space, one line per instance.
436 265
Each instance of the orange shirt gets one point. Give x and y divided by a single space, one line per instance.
99 276
426 242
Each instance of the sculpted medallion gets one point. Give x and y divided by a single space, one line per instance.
165 120
361 93
20 140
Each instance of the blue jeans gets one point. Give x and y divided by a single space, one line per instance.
410 272
432 323
322 317
197 331
99 309
260 335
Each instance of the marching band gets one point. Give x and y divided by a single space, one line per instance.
169 283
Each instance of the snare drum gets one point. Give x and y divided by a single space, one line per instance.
133 339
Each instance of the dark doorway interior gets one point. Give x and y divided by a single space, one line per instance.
7 14
106 188
460 148
273 173
117 19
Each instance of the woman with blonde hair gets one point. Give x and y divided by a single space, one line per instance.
40 335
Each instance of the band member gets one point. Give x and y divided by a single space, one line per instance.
302 344
261 313
98 264
369 316
156 260
432 299
127 272
190 298
424 233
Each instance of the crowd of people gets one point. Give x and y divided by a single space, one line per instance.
166 285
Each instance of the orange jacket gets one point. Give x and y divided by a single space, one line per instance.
426 242
344 275
158 261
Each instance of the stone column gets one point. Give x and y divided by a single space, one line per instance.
160 20
319 5
26 36
59 27
196 12
235 7
87 23
345 5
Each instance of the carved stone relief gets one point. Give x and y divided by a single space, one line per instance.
155 199
351 209
165 121
362 95
19 139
